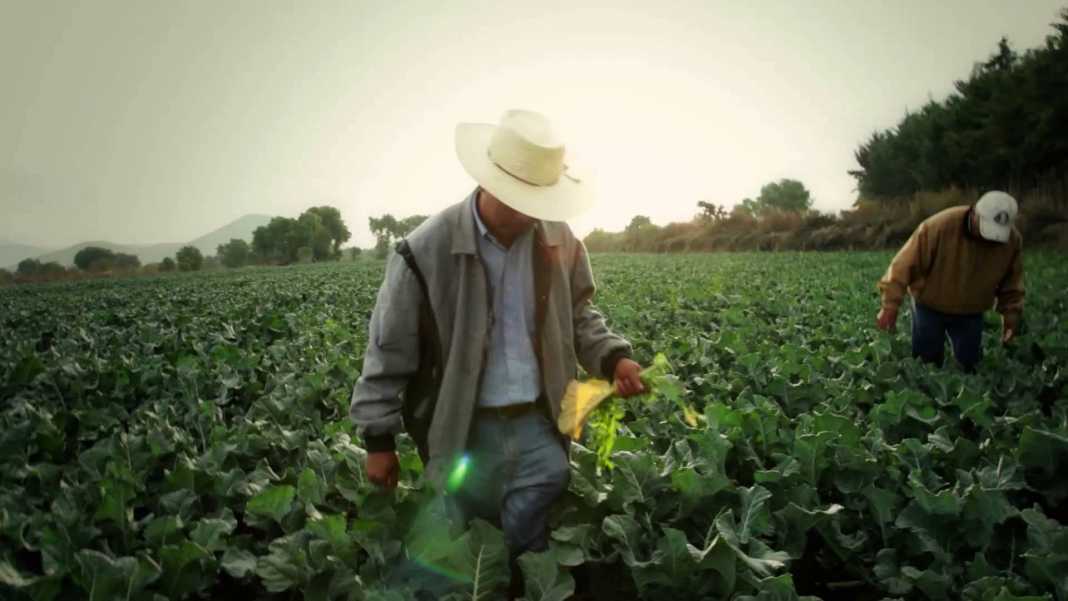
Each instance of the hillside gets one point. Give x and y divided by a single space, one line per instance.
12 252
148 253
240 228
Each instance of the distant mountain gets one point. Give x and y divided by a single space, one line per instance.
12 252
241 228
148 253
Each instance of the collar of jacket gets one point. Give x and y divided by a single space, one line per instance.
464 232
968 225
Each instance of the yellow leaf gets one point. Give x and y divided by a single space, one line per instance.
690 416
580 399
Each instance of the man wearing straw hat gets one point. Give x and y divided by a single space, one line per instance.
956 265
482 319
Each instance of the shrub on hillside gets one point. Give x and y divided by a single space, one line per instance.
814 220
780 221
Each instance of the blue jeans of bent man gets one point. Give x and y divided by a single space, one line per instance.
930 329
517 469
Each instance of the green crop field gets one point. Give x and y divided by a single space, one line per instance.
186 436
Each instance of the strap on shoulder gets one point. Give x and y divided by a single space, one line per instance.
405 251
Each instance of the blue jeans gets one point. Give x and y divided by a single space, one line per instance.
517 469
929 331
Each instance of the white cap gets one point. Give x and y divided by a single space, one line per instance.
997 212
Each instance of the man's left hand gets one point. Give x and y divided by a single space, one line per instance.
627 378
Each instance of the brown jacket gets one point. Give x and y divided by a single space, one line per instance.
947 267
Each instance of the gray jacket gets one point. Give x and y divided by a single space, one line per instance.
425 356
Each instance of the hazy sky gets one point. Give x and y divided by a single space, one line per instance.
156 121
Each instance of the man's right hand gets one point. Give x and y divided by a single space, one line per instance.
383 468
1009 326
886 319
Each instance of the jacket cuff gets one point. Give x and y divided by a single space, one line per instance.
379 444
1011 318
608 364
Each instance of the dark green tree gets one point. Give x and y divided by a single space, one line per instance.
94 258
338 232
235 253
167 264
383 229
51 269
601 241
388 228
639 235
189 258
125 262
271 242
786 195
28 267
384 225
1002 127
748 207
319 228
312 233
711 213
408 224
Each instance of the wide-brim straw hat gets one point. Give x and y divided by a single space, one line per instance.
522 163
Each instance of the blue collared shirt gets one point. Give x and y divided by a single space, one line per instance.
511 372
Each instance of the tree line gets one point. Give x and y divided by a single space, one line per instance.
777 200
1002 128
387 229
869 225
316 235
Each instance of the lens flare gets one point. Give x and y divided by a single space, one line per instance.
459 473
432 550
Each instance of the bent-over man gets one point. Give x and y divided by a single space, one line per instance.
957 264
